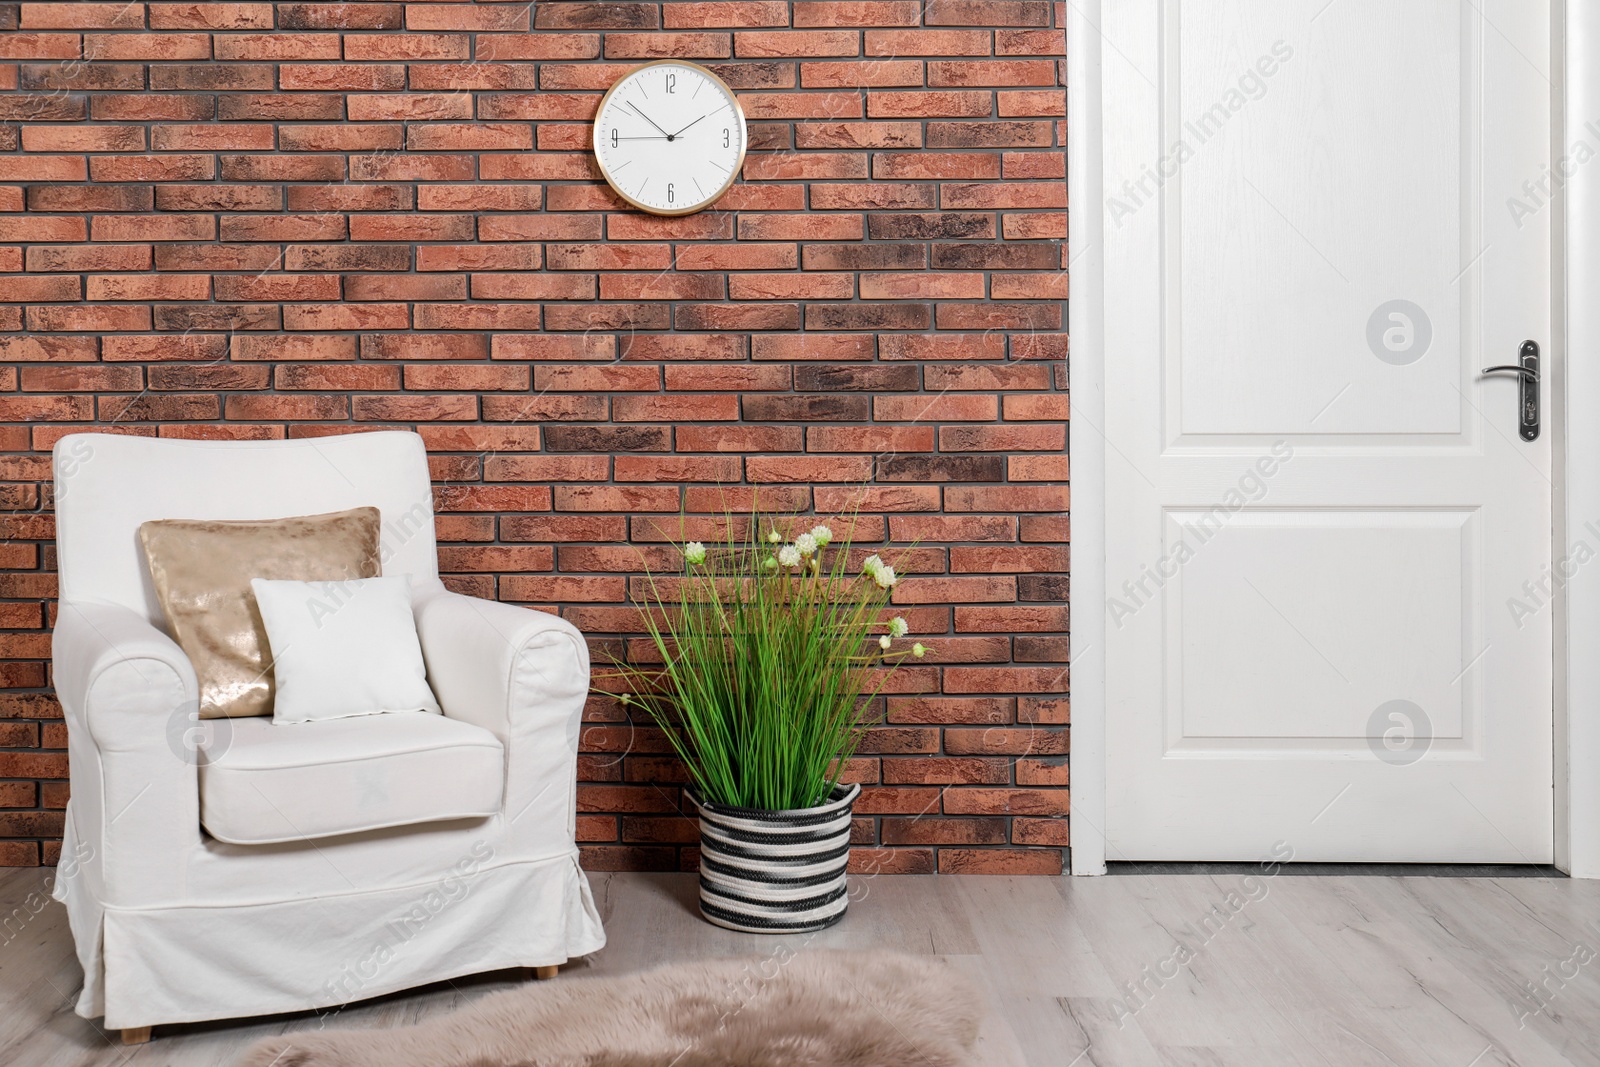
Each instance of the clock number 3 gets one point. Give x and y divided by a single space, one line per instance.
724 137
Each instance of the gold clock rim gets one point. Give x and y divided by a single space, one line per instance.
744 139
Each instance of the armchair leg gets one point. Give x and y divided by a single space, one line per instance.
539 974
136 1035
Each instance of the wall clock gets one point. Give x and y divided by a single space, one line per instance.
670 137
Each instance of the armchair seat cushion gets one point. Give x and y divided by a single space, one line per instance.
262 783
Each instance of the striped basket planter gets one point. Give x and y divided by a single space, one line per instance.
775 872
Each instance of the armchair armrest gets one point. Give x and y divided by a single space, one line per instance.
523 675
127 691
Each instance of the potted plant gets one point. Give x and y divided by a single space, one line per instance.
770 650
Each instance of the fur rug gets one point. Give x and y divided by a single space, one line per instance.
813 1009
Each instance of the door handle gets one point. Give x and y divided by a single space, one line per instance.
1527 369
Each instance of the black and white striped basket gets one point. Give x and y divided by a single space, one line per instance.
776 872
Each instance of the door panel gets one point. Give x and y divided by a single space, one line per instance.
1320 519
1276 266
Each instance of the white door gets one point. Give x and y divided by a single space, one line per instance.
1328 546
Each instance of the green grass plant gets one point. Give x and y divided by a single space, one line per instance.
771 649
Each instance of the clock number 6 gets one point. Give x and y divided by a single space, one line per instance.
669 193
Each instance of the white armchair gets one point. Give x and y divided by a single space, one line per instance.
273 869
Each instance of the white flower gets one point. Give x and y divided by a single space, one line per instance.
625 699
822 535
806 544
898 627
919 650
769 564
789 556
885 577
884 642
694 552
872 565
774 537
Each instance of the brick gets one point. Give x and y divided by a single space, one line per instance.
242 46
902 42
889 498
837 74
1001 861
1009 134
726 13
740 438
668 45
297 107
1043 832
149 287
1043 710
546 469
799 43
83 16
1005 679
79 139
494 47
1032 102
993 72
90 198
625 15
226 198
47 349
941 831
434 46
857 12
42 228
985 801
873 862
1030 43
567 529
357 16
1016 741
637 468
171 227
210 16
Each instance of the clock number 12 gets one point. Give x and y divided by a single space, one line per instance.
672 83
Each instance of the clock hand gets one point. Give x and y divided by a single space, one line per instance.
648 119
680 132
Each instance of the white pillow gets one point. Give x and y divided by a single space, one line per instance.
340 649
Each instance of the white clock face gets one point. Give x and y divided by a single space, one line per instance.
670 137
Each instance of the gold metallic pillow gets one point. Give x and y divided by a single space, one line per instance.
202 571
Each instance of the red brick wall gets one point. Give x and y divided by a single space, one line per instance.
268 220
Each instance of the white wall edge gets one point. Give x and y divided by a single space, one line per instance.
1578 650
1086 596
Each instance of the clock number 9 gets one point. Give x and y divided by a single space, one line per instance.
672 83
669 193
724 137
613 138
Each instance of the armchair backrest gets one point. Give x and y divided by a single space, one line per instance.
107 484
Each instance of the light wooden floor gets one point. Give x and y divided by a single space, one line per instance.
1331 971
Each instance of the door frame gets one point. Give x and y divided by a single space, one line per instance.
1575 82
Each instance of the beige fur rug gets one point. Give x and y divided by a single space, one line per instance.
813 1008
